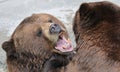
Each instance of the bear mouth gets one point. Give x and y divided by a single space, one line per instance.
63 44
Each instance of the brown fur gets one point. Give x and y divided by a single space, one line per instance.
97 32
31 46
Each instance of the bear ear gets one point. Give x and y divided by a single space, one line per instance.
89 16
84 8
8 45
93 13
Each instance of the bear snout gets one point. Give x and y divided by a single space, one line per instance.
55 28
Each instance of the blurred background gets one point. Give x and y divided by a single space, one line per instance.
12 12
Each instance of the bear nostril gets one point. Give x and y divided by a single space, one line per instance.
55 25
55 28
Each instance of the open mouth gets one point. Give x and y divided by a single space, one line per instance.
63 44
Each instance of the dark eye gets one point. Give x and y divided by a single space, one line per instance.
50 21
39 33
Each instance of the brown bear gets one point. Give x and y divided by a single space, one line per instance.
39 44
97 31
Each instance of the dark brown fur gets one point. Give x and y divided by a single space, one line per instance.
97 32
30 48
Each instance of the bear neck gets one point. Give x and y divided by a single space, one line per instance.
95 53
27 62
58 62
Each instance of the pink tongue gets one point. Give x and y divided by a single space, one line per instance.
64 45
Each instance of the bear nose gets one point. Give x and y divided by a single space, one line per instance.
55 28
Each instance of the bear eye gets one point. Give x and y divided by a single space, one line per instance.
50 21
39 33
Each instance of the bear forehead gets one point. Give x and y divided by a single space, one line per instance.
43 18
38 20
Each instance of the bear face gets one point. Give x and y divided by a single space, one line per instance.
97 31
34 41
39 32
